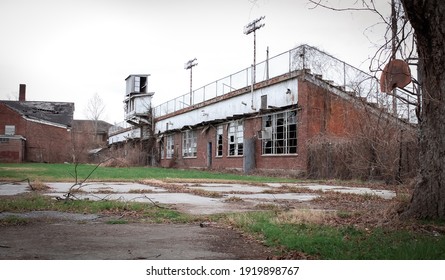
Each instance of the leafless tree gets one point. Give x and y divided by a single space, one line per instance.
95 107
94 111
428 24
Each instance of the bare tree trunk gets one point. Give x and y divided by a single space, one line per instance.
428 21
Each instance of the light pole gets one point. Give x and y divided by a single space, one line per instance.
249 28
189 65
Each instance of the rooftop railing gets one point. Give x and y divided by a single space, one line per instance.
119 128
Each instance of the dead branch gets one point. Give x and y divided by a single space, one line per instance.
367 8
80 184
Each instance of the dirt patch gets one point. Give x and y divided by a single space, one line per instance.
70 240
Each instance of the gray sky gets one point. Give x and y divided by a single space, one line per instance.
68 50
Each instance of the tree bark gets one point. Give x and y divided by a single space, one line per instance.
427 17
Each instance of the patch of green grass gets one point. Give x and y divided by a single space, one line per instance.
36 202
13 220
341 242
163 215
68 172
25 202
117 222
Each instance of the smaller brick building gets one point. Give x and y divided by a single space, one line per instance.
89 137
35 131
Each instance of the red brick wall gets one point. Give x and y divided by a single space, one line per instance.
47 143
12 150
326 113
44 143
10 117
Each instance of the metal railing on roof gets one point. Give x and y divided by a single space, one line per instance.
337 72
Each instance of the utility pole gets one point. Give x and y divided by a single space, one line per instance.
189 65
249 28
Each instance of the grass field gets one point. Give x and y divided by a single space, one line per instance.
69 172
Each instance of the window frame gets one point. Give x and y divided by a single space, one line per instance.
235 138
284 133
189 144
219 151
169 146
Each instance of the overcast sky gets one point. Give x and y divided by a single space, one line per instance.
67 51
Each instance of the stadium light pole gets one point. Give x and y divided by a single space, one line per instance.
249 28
189 65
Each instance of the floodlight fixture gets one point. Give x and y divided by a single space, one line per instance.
251 27
189 64
254 25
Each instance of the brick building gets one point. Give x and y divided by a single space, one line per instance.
42 131
35 131
268 125
304 112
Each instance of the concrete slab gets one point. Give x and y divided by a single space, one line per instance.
13 188
190 203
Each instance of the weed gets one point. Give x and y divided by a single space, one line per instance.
234 199
267 206
201 192
302 216
139 191
37 185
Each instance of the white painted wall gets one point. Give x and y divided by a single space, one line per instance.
276 96
131 134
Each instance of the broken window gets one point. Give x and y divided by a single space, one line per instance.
236 138
189 143
219 141
279 133
170 146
